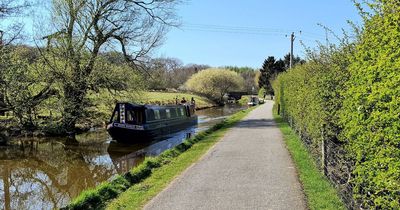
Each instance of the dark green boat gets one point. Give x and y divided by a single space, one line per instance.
132 123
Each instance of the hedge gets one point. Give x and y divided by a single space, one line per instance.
350 94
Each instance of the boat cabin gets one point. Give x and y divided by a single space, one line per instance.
127 113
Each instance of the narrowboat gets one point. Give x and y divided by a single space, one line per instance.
132 123
253 101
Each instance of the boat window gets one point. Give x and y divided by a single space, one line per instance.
168 113
139 117
173 113
131 117
182 111
115 116
187 111
163 114
150 115
157 114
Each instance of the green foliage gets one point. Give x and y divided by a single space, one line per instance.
23 85
80 32
266 74
350 93
271 68
262 93
244 100
371 107
215 83
249 75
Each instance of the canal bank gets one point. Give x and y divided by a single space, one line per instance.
152 175
59 171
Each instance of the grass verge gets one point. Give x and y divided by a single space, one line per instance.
319 192
143 182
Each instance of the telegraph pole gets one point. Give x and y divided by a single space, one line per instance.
292 38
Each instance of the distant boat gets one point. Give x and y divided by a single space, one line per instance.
132 123
253 101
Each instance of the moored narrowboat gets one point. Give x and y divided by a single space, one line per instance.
131 123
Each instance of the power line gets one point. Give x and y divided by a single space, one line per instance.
247 30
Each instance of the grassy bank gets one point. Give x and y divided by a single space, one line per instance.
320 193
139 185
169 98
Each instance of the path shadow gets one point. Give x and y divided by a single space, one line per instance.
256 123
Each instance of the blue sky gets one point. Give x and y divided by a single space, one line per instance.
244 33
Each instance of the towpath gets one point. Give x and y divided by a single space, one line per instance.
250 168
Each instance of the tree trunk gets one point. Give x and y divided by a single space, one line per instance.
73 106
2 112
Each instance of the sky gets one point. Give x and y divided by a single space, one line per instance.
245 32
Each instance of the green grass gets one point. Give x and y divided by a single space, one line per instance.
319 192
140 184
169 98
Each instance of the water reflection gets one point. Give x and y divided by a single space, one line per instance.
48 173
45 175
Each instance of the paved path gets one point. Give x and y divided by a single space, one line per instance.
250 168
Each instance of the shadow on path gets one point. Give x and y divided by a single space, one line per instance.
256 123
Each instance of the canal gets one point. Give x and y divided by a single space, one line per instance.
48 173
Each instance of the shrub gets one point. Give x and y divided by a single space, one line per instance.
350 94
215 83
370 117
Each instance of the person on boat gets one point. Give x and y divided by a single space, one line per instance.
192 101
183 101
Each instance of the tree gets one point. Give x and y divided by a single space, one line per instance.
185 72
170 73
271 68
10 8
248 75
266 73
23 85
296 60
163 73
83 29
215 83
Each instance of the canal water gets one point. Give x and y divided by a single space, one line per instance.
49 173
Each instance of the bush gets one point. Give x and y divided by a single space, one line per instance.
370 116
350 94
215 83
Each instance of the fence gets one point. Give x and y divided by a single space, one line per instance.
332 159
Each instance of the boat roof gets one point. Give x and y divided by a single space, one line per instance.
148 106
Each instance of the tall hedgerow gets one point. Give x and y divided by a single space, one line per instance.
371 108
351 94
309 96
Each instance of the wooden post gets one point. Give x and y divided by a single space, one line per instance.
324 152
279 109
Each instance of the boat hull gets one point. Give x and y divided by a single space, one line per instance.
130 134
